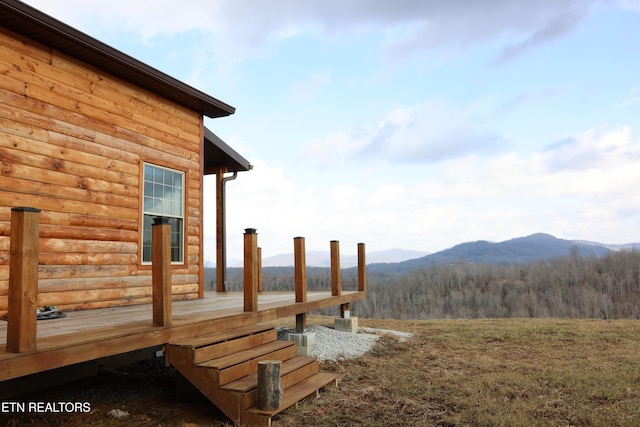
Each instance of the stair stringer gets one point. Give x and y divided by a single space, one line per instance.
206 380
239 404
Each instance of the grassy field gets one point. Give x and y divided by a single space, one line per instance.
523 372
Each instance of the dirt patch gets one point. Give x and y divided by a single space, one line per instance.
142 394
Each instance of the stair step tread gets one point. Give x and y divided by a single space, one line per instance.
232 346
295 394
246 355
221 336
250 382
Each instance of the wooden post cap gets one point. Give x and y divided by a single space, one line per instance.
25 209
158 220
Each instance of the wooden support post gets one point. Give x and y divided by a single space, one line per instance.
269 385
250 269
301 323
24 252
260 270
161 271
300 269
220 231
300 277
345 311
362 268
336 285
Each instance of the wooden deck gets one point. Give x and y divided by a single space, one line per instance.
93 334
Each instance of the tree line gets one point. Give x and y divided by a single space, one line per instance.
574 286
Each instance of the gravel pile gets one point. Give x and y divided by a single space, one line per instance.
332 345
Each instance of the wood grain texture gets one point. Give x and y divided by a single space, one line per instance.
73 140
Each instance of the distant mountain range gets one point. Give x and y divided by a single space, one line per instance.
323 258
539 246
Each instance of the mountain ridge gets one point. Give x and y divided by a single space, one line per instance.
323 258
537 246
534 247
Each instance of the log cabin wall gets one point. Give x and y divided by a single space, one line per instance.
73 143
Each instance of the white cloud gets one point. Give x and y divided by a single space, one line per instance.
413 27
593 149
608 171
458 25
633 97
425 133
266 199
548 29
630 4
469 198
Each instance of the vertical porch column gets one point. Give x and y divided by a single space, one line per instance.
220 231
24 252
161 271
250 270
300 277
336 285
362 268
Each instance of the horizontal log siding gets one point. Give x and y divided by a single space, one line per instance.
72 143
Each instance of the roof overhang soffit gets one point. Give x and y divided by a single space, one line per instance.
217 155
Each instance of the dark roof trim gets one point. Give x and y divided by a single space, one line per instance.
218 154
32 23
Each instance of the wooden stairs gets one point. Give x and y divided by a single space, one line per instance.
223 366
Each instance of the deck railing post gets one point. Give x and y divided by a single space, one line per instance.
300 277
336 285
24 253
161 271
250 269
259 270
362 268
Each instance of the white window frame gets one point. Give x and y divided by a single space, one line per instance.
158 200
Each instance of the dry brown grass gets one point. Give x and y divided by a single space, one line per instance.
522 372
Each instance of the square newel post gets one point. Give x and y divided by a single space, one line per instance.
161 271
362 268
346 322
24 254
336 285
251 266
300 277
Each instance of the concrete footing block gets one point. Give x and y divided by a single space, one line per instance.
306 342
346 325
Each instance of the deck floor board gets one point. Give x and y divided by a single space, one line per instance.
92 334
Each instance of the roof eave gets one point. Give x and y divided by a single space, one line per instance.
234 162
36 25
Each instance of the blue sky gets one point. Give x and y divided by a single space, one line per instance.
406 124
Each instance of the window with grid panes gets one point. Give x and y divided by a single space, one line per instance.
163 196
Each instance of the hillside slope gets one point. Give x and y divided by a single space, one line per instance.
539 246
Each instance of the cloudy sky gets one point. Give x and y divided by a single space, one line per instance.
410 124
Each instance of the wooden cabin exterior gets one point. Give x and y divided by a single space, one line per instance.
101 144
95 146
